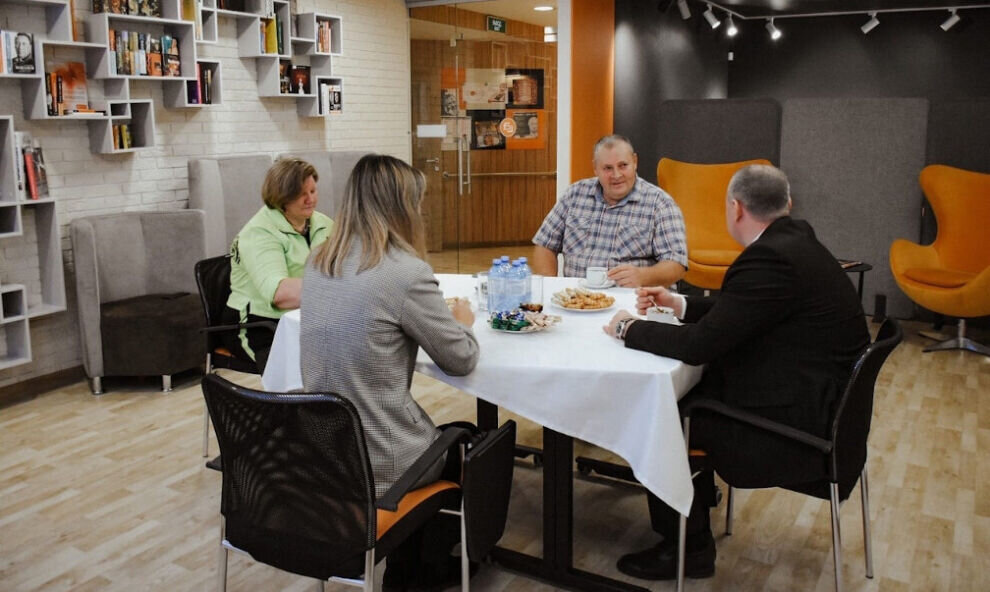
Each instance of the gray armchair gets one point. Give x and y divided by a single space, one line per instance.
228 190
139 309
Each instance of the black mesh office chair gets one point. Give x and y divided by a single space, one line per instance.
213 281
298 491
843 452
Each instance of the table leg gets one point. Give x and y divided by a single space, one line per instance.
859 288
557 564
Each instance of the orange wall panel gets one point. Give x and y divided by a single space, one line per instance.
592 86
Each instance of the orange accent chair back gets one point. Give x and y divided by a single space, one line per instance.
951 276
699 190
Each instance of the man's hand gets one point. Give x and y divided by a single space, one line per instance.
657 296
610 327
627 276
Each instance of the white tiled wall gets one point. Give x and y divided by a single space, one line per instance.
375 68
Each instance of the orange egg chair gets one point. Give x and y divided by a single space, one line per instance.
951 276
699 190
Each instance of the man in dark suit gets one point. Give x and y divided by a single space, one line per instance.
780 341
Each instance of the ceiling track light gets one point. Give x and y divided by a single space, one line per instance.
682 6
951 21
711 18
870 24
775 33
731 30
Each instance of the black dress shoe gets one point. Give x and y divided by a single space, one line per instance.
659 562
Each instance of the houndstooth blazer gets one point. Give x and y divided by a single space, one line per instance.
360 333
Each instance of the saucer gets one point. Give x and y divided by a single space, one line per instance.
584 284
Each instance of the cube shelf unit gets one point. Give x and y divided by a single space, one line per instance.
177 96
16 308
303 44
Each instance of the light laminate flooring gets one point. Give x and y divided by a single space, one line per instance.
110 493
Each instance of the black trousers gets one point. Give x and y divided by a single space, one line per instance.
664 519
259 338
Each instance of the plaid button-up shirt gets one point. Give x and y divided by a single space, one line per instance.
644 228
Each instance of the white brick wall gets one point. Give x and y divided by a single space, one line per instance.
375 68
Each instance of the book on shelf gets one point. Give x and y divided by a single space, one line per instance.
170 56
330 98
280 45
284 81
208 86
18 52
32 178
194 91
299 76
324 37
122 139
191 13
69 91
151 8
41 171
155 58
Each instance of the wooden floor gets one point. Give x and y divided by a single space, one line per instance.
110 493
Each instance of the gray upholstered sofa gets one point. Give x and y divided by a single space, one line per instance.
139 308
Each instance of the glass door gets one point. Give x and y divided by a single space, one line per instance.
484 130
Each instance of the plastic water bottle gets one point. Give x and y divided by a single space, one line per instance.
514 288
527 280
505 269
495 283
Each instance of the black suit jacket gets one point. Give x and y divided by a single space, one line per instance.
779 340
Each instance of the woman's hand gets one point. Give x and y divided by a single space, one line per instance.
462 312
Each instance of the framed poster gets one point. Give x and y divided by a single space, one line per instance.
531 129
484 89
484 130
525 88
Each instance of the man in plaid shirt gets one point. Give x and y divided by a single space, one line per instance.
614 220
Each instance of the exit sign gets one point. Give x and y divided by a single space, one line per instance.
493 23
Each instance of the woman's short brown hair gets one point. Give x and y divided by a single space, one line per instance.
284 181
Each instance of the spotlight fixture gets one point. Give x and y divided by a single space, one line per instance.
870 24
951 21
731 30
543 8
775 33
711 18
682 6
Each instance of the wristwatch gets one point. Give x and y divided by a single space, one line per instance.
620 327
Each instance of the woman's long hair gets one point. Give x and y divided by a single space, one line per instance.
380 210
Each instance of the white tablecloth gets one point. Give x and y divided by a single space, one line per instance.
573 379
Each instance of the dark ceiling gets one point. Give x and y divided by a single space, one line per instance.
767 8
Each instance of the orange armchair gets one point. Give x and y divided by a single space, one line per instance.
951 276
699 190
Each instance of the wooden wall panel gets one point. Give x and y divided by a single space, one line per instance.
592 87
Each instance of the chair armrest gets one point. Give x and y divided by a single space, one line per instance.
763 423
221 328
450 436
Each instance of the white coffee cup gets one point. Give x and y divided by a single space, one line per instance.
662 314
596 276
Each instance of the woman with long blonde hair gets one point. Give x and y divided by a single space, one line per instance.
369 302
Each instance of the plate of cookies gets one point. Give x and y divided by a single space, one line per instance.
582 300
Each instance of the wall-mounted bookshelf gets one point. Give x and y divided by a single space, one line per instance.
17 303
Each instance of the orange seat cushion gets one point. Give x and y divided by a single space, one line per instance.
713 256
943 278
222 351
387 520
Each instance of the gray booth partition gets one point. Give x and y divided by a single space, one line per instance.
853 166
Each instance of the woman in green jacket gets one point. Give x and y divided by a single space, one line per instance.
269 254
